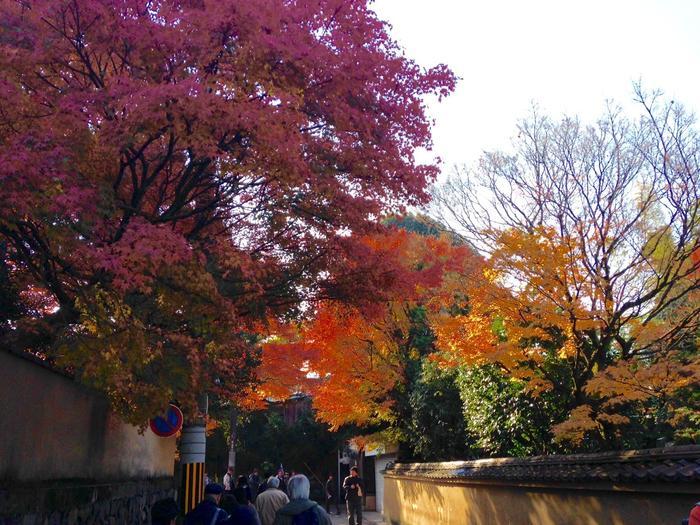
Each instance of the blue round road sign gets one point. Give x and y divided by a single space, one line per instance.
169 424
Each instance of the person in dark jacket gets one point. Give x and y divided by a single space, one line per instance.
254 482
353 496
243 484
239 514
207 511
332 495
300 508
228 503
263 485
164 512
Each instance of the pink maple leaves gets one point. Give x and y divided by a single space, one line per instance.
200 163
134 260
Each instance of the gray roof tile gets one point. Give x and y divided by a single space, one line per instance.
670 464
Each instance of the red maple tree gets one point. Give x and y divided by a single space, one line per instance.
174 172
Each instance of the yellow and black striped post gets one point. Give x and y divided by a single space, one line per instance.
192 452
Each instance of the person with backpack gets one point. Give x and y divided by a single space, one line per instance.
207 511
353 496
301 510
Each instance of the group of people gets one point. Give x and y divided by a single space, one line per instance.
278 500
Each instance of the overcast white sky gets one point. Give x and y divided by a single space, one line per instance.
567 56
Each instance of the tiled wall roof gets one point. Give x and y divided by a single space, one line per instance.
670 464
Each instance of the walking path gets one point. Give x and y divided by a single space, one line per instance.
368 518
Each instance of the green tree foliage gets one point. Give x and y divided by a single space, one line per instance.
427 423
265 441
437 428
502 418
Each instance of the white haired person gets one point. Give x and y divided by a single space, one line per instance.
270 501
301 510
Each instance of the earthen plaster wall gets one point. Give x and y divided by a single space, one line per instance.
54 429
431 502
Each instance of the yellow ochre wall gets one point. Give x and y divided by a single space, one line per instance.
52 428
428 502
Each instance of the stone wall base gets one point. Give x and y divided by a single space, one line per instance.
82 502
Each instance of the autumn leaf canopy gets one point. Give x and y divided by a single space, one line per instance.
174 173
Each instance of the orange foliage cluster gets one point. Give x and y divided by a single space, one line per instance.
534 297
349 356
530 302
524 287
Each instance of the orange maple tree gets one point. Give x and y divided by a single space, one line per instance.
591 285
350 355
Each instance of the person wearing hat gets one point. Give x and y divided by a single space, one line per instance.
207 511
164 512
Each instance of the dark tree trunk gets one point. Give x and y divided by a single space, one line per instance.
233 421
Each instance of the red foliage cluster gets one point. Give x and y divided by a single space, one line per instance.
173 172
